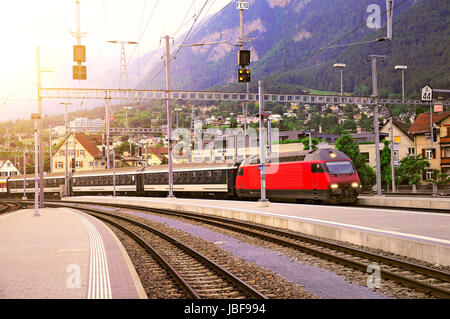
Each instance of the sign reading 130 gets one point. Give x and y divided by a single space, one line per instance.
242 5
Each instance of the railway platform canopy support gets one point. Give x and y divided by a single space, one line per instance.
191 96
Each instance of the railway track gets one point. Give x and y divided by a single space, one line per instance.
421 278
7 207
198 276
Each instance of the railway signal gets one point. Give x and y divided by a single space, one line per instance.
244 75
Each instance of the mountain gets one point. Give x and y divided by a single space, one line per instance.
287 35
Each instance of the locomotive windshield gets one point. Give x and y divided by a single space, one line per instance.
337 168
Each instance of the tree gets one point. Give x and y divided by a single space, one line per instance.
410 170
305 142
347 145
385 163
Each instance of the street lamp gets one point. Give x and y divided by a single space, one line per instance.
341 66
402 68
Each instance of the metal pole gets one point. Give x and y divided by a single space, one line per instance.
50 144
431 125
24 175
36 171
269 136
392 155
114 173
261 142
403 84
241 28
310 141
342 84
169 117
74 150
107 132
66 176
376 128
41 149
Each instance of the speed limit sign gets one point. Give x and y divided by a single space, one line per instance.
427 93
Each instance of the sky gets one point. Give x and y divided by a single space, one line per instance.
26 24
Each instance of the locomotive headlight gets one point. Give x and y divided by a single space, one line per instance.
334 186
355 184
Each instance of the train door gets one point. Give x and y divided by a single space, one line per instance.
139 184
316 170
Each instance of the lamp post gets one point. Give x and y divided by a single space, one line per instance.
402 68
373 59
341 66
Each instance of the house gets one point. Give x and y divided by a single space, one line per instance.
157 155
88 153
436 150
7 168
403 141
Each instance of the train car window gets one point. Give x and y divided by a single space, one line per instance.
91 181
337 168
200 177
217 175
317 168
133 178
166 178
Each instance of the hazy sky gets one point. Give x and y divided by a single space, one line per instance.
25 24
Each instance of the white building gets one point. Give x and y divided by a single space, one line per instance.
7 168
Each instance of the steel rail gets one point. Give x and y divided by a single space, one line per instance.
159 258
287 238
246 288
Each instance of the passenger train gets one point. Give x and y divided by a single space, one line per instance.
324 175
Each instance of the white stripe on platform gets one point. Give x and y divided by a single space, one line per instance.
99 285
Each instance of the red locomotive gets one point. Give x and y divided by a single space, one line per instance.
324 175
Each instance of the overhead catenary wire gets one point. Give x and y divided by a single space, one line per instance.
331 45
174 56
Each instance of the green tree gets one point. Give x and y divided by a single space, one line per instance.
347 145
385 163
305 142
410 170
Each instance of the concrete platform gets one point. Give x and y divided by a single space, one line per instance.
421 235
437 203
63 254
